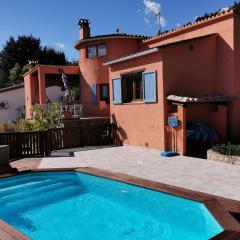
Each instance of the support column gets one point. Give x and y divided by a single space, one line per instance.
29 86
42 87
181 133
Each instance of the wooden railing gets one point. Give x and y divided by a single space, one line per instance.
33 144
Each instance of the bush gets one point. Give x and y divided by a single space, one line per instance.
227 149
43 119
22 125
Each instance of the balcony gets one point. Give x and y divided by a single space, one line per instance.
84 110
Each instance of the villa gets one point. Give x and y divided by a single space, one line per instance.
190 73
101 172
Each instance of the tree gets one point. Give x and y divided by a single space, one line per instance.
52 57
73 63
16 75
21 50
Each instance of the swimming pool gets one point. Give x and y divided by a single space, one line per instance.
73 205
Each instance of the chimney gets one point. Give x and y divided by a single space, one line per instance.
84 28
32 64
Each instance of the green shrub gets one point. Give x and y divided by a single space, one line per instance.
44 119
22 125
227 149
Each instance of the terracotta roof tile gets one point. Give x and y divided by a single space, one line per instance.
191 24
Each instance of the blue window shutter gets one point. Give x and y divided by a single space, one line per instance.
117 90
94 93
149 87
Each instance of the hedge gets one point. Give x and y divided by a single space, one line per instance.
227 149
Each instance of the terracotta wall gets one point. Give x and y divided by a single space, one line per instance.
31 93
92 70
211 114
141 124
233 124
190 68
35 85
227 61
176 137
186 68
224 26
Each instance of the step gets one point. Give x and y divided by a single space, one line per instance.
35 190
24 186
37 201
39 175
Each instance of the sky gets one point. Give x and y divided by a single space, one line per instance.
55 22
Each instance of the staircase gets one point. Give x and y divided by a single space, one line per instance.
29 191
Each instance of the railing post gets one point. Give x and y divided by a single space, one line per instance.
46 143
19 139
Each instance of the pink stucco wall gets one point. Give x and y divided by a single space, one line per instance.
204 66
139 123
93 71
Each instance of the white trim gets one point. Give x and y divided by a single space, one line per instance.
132 56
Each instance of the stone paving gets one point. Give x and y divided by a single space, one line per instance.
26 164
202 175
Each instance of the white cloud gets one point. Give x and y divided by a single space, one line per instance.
59 45
151 9
178 24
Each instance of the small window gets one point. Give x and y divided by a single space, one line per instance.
92 51
132 88
102 50
104 92
98 50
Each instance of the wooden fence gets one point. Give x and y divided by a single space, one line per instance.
33 144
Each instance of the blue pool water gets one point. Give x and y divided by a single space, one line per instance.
77 206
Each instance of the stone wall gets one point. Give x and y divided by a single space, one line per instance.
212 155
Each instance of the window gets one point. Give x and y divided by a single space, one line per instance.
102 50
92 52
104 92
135 87
97 50
132 89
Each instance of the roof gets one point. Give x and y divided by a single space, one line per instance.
199 99
35 68
109 36
11 88
153 50
131 56
199 21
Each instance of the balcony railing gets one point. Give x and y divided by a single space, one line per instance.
83 110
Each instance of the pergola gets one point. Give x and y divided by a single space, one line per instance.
186 105
35 83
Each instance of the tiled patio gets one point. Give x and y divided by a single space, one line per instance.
211 177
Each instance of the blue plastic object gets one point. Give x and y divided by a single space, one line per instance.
169 154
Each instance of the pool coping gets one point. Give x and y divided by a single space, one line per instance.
219 207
